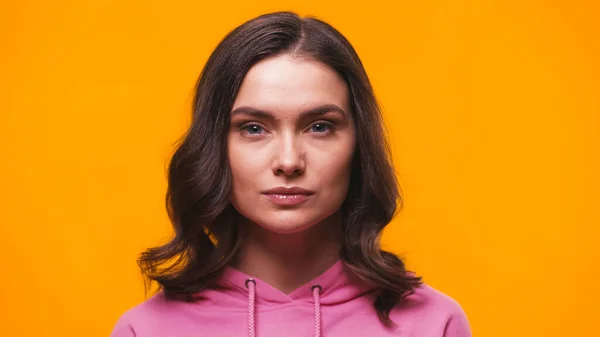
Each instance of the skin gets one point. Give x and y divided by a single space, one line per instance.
287 246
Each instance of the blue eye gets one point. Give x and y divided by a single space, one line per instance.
321 127
256 130
252 129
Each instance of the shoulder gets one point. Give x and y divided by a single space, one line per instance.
147 315
425 297
434 309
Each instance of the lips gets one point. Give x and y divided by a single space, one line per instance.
288 196
293 190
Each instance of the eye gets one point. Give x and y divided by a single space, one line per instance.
252 129
322 127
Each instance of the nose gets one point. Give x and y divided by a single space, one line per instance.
289 158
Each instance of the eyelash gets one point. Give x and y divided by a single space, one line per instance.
329 125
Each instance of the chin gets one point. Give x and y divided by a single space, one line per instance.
290 221
284 227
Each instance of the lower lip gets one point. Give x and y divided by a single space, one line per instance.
287 199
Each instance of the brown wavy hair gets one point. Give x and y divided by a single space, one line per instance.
205 238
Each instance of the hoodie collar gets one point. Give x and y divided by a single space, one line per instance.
338 285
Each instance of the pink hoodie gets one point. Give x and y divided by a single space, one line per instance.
335 304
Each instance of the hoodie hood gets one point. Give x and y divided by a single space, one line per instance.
335 303
237 291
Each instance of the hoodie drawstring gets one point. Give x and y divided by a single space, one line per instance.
251 296
251 285
316 290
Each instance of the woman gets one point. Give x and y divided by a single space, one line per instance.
278 195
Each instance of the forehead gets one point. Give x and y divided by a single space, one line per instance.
288 84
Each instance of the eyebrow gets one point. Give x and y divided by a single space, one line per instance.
318 111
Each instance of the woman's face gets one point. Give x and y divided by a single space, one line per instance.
291 126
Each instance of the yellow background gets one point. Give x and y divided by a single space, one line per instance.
493 110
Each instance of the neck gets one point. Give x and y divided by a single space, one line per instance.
287 261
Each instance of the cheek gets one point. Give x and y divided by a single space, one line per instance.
245 167
335 174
